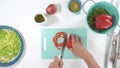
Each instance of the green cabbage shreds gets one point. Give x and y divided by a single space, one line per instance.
9 45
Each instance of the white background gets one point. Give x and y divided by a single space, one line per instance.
20 14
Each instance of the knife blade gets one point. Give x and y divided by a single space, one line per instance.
62 52
63 48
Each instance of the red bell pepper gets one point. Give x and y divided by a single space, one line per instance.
56 37
103 21
69 42
103 24
103 17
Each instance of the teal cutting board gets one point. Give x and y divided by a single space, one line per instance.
48 50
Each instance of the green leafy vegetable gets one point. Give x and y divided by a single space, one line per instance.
9 45
93 13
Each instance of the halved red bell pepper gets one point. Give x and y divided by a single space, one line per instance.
69 42
103 17
103 24
103 21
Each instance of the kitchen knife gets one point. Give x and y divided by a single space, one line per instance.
62 51
63 48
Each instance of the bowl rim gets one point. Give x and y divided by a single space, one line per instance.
21 48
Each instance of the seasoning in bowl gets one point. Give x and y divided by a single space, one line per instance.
74 6
39 18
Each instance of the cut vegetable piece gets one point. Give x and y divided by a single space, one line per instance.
9 45
69 42
103 24
103 17
56 38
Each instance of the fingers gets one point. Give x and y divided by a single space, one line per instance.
77 38
61 63
73 42
80 41
51 65
56 62
73 39
56 59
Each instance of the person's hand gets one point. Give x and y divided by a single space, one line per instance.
80 51
57 63
78 48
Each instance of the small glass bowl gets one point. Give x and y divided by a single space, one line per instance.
74 6
41 19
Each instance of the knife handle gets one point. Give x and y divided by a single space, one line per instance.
60 57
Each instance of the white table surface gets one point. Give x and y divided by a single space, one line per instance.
20 14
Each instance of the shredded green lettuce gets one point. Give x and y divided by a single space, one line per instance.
9 45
